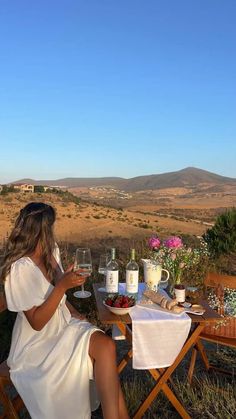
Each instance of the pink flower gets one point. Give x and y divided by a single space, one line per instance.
173 242
154 243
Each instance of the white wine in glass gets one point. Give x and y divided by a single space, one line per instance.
83 261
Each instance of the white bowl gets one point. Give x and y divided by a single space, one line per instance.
119 311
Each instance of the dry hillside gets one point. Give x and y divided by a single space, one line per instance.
88 221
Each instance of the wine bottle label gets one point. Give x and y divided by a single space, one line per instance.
112 281
131 281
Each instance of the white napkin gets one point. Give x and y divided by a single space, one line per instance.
158 336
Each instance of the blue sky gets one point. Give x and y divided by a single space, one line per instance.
116 88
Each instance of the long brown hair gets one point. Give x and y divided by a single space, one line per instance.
34 224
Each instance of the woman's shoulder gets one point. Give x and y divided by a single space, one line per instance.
22 263
23 267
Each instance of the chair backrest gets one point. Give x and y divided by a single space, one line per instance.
3 304
214 279
220 282
11 405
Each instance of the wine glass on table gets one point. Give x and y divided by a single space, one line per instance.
83 261
102 269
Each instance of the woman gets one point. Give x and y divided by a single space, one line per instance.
54 352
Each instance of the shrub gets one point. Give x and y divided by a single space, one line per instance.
143 225
221 238
39 189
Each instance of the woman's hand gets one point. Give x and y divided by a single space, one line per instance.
70 268
71 279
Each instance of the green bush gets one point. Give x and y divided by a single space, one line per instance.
38 189
143 225
221 238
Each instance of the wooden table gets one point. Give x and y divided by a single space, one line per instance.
160 375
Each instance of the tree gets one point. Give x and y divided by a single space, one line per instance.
221 238
38 188
4 190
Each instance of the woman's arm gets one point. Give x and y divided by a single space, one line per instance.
39 316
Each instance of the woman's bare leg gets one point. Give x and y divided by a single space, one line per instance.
102 350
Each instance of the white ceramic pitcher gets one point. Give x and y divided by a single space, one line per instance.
152 274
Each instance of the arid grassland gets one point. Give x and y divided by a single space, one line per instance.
112 221
90 220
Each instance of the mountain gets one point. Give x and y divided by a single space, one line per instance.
188 177
75 182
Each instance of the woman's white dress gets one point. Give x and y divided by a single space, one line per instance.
51 368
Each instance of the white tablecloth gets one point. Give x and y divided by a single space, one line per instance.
158 336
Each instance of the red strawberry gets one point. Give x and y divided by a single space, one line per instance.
117 304
109 301
119 298
125 305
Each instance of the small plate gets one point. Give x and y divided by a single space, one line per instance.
186 304
196 309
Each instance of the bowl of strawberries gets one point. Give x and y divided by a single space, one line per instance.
119 304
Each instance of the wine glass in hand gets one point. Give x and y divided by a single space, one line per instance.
83 262
103 261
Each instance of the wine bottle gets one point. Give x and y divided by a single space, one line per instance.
132 273
112 274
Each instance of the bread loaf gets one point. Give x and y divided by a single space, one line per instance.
177 309
171 304
161 300
164 302
155 297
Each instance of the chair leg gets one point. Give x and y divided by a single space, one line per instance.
124 361
198 348
9 410
203 354
192 365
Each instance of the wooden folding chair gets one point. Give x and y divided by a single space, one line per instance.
218 282
10 406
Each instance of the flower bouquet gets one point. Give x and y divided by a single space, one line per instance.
174 256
